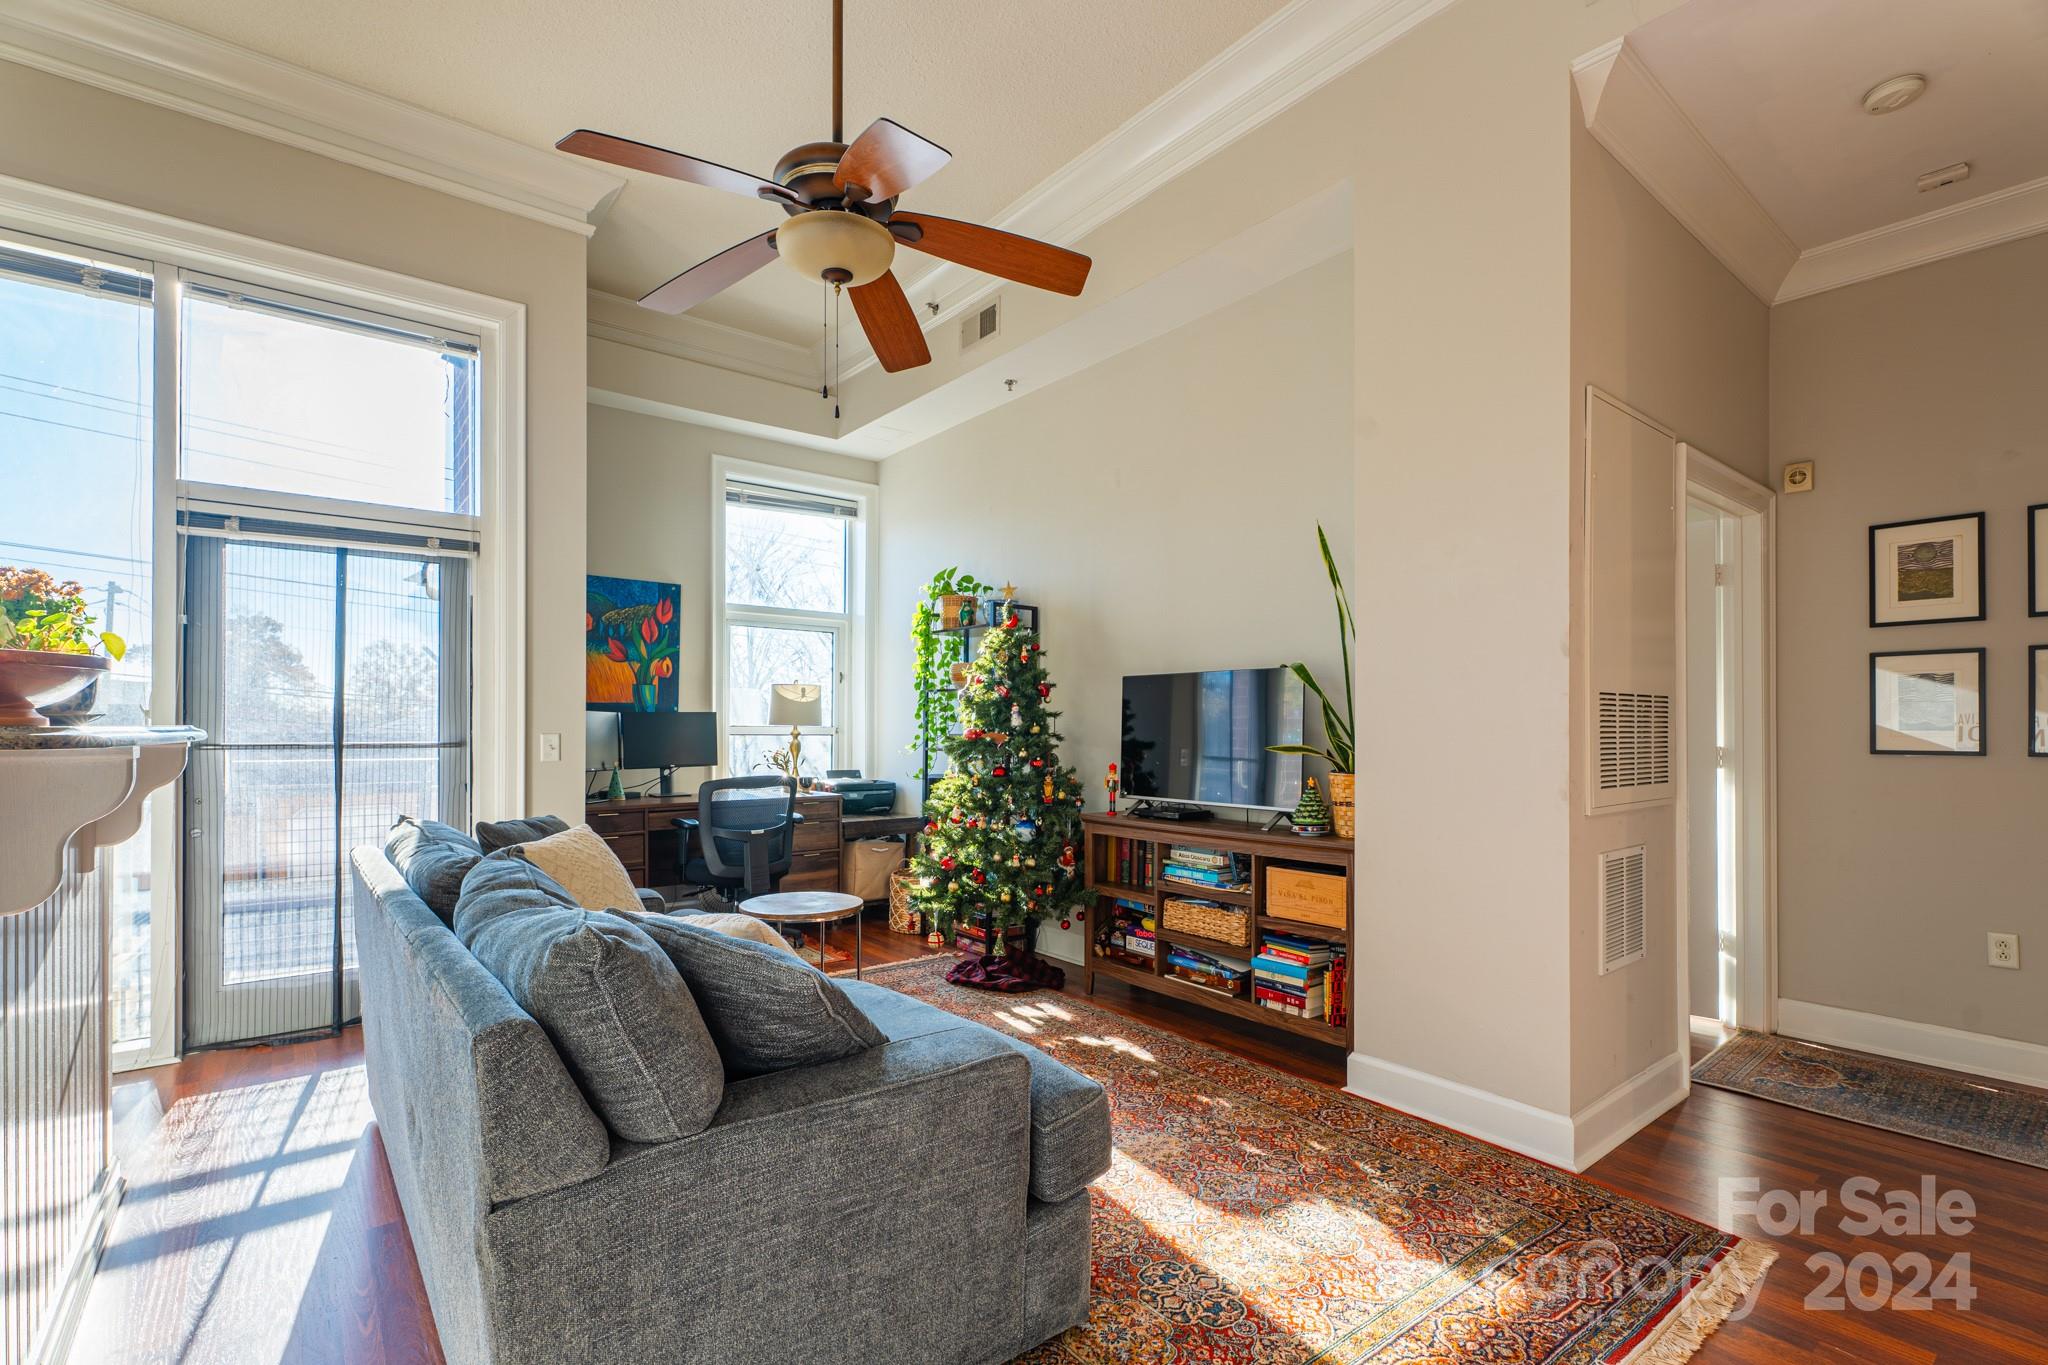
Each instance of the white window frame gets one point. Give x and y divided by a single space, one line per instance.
852 693
498 779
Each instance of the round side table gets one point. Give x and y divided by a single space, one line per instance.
821 908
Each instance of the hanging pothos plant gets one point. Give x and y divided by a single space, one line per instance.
937 652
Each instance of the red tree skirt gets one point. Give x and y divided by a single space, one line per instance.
1013 972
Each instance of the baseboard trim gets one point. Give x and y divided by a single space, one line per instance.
1519 1127
1573 1141
1906 1040
1626 1110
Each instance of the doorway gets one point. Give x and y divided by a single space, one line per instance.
333 684
1728 958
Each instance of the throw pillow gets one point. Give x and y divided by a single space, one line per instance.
767 1010
609 998
497 834
585 866
741 926
433 858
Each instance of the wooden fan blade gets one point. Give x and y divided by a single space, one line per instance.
1023 259
639 156
891 324
706 278
888 159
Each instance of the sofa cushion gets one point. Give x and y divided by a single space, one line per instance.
609 998
585 866
767 1010
1069 1113
433 858
736 925
496 834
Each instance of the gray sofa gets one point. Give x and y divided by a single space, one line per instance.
924 1200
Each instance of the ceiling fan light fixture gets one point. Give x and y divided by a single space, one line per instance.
836 247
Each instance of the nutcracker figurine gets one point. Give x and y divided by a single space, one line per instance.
1110 783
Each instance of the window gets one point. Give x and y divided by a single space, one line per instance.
288 395
793 578
358 450
76 361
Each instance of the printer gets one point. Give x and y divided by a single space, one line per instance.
860 795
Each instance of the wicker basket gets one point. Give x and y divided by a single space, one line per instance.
903 916
1223 923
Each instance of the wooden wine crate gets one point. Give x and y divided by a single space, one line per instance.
1311 897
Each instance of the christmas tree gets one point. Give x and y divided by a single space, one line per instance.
1002 837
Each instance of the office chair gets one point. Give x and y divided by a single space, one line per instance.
744 837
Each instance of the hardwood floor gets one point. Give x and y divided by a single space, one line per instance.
261 1223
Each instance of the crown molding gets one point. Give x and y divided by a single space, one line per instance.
1632 115
131 54
704 342
1629 112
1291 55
2003 216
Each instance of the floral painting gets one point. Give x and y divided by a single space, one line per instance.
629 644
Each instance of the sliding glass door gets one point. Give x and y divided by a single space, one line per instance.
333 684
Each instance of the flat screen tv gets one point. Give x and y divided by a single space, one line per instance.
1201 738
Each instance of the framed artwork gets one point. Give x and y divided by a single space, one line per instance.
630 627
2037 702
2037 559
1922 572
1927 701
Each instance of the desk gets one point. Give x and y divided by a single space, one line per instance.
642 832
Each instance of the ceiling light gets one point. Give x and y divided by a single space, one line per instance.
1896 93
836 247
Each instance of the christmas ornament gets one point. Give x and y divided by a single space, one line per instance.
1003 691
1026 829
1001 771
947 862
1066 923
1038 763
1016 716
1311 816
1044 691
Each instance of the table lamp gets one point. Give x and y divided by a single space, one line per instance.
796 705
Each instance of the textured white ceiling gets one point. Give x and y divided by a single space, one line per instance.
1777 87
1013 90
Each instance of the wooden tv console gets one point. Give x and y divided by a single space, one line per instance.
1266 850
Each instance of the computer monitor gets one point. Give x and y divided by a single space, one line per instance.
600 741
668 740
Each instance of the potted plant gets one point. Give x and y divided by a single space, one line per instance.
1341 752
937 612
46 645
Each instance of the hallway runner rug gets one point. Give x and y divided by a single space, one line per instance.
1900 1097
1252 1216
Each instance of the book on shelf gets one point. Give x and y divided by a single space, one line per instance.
1309 1007
1281 970
1202 877
1131 860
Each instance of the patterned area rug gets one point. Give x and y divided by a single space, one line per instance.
1986 1117
1250 1216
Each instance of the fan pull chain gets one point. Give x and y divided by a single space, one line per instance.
824 345
837 372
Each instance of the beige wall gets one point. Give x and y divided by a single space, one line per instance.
650 516
1160 508
77 138
1660 324
1919 395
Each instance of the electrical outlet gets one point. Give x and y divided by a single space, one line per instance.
2005 950
551 748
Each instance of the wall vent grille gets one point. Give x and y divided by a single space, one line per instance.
983 323
1621 908
1635 740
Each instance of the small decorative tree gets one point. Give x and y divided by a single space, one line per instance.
1002 843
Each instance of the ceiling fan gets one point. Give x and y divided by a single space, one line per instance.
843 225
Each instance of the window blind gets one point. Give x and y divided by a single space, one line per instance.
89 275
789 499
278 303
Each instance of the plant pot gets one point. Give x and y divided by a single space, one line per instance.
30 678
956 609
1343 813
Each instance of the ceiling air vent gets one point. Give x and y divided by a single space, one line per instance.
1634 741
1621 908
983 323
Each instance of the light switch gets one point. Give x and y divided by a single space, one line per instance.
551 748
